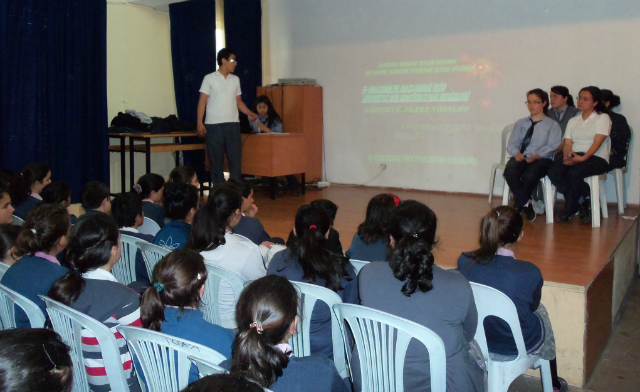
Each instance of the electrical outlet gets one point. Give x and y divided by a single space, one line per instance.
383 166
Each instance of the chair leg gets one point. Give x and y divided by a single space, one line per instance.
549 198
618 178
594 184
505 194
603 197
545 373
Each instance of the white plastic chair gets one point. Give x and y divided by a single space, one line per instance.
9 299
549 197
358 264
492 302
17 221
149 227
210 307
164 359
300 342
3 269
207 368
151 254
503 159
382 340
618 179
68 323
125 269
598 199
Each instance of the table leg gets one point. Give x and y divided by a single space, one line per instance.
177 141
274 185
123 169
148 154
132 172
304 187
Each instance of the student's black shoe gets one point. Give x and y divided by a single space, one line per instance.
564 217
529 211
278 192
585 211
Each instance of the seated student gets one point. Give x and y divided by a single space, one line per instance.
267 316
150 188
562 107
58 192
8 236
223 383
34 360
494 264
184 174
620 132
95 198
412 287
371 241
308 260
532 145
250 226
90 288
6 209
333 242
25 190
170 304
126 208
212 236
44 235
180 205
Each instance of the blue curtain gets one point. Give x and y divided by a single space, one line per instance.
53 88
243 34
193 53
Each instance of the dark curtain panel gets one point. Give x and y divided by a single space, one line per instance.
243 34
53 88
193 53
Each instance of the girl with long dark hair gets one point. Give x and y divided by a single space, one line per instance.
371 241
184 174
562 107
150 187
25 188
620 132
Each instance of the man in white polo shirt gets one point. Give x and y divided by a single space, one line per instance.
220 96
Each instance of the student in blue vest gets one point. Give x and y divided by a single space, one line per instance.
180 205
150 187
128 213
96 198
494 264
170 304
371 241
267 316
308 260
223 383
58 192
6 209
184 174
26 188
44 235
333 242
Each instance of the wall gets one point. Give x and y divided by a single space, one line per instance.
139 74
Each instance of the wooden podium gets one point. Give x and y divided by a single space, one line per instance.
301 110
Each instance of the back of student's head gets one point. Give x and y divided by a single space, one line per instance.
328 206
179 199
34 359
223 383
125 208
8 236
93 194
609 97
413 228
310 248
211 221
148 183
183 174
56 192
265 313
20 185
501 226
91 246
176 281
244 186
45 226
562 90
376 223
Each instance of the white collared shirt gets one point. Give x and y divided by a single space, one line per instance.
222 106
99 274
130 229
582 133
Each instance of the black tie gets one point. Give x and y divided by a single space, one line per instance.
527 137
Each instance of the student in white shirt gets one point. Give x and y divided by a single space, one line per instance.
585 154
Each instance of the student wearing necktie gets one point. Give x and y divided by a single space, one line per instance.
532 144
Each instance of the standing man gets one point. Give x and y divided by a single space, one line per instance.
220 96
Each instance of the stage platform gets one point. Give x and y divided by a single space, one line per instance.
587 271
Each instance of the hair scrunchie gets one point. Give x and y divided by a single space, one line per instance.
313 227
258 326
137 188
158 286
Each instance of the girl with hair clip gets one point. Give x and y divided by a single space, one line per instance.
6 209
494 264
412 287
8 236
26 188
223 383
42 237
308 260
371 241
150 188
267 316
212 236
170 304
184 174
58 192
562 107
90 288
620 132
585 153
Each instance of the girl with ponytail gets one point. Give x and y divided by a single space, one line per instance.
494 264
26 188
170 304
212 235
267 316
150 187
411 286
371 241
308 260
90 288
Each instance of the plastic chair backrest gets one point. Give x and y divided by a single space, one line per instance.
164 359
492 302
207 368
149 227
125 269
3 269
17 221
151 254
382 340
210 307
68 323
358 264
506 133
300 341
9 299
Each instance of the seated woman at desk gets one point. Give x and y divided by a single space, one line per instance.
269 121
